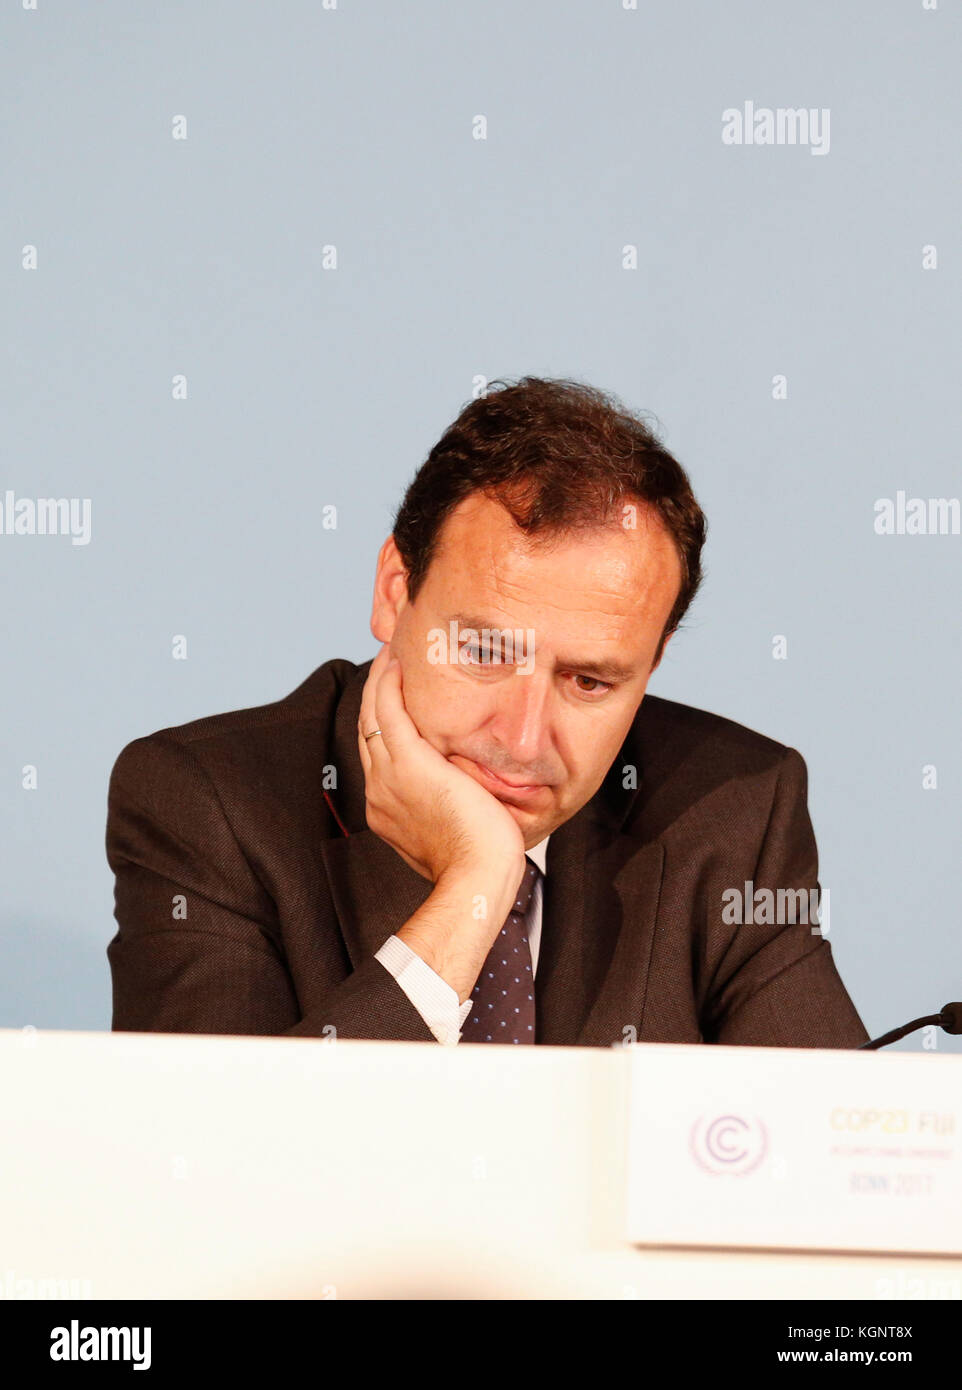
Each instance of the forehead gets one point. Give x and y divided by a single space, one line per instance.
619 569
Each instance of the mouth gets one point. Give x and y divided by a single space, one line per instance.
509 791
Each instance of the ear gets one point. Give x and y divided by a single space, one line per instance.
390 591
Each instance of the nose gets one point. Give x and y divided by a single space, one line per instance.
521 723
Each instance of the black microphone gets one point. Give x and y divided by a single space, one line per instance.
949 1020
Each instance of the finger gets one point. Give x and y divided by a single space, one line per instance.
397 727
364 755
367 717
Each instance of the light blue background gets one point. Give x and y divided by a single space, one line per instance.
460 258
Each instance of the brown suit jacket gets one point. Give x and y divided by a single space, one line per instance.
251 896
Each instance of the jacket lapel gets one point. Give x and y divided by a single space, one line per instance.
600 901
374 890
597 931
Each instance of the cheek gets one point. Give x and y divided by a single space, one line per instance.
595 758
440 711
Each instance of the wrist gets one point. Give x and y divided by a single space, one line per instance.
485 878
453 930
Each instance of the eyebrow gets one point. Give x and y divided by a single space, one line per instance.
607 671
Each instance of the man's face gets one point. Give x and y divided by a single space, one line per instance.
550 719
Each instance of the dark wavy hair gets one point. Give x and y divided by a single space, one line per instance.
561 456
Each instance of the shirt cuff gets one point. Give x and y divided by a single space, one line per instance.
434 998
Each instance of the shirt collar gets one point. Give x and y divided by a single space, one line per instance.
537 853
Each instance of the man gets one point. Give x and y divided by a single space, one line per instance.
488 833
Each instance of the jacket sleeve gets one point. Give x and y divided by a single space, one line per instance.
199 945
776 984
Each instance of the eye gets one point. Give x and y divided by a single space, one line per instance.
595 681
485 655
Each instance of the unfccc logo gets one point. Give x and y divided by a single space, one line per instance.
728 1144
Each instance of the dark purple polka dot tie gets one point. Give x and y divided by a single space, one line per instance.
503 998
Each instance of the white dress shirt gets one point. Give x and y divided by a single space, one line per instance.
435 1000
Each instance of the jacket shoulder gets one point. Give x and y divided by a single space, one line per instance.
691 760
308 709
676 730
